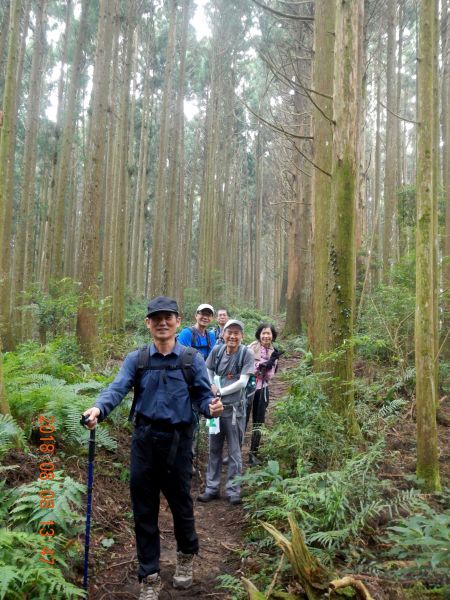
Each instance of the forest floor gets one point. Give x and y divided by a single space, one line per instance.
220 526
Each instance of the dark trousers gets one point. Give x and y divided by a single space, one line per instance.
154 469
258 408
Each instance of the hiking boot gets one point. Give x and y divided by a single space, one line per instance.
208 496
234 500
183 573
253 460
150 587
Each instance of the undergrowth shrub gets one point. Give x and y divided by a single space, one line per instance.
11 435
33 394
304 426
59 358
385 331
25 512
52 312
312 472
23 575
333 508
422 543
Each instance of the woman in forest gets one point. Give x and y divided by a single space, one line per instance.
266 362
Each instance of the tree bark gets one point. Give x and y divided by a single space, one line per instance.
24 250
7 153
65 150
158 282
344 198
90 225
321 183
426 393
446 179
390 178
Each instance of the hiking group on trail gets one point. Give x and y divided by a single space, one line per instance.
173 385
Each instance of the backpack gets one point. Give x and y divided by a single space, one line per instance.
185 363
250 388
194 345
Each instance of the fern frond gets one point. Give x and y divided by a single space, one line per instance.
11 435
68 494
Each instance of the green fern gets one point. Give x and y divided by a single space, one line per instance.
23 575
39 393
26 513
11 435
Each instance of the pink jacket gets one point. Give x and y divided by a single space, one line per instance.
262 354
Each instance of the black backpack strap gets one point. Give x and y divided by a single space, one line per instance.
193 331
187 361
143 363
243 352
219 355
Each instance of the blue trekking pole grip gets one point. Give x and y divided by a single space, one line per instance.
83 422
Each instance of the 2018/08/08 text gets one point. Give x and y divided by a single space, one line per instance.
46 474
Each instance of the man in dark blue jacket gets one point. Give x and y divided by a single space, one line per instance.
161 457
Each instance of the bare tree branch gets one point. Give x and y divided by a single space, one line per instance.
398 116
297 84
282 15
276 127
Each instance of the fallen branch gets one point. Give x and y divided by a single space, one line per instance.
360 588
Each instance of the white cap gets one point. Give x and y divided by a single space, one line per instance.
205 307
233 322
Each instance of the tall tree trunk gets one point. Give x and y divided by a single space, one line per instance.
121 217
446 179
426 393
90 225
65 149
23 255
323 135
110 198
344 197
7 152
390 179
158 284
3 41
176 194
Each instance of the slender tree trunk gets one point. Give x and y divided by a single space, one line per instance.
65 151
426 393
158 284
446 180
110 198
90 243
321 191
377 191
3 41
121 218
390 179
176 195
24 250
344 197
7 152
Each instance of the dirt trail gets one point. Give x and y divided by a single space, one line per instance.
219 527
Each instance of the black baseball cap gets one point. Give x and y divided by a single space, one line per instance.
162 304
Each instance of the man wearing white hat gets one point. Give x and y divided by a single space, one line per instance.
198 336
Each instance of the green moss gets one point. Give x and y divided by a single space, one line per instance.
420 592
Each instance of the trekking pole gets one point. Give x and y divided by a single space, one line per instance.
83 422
